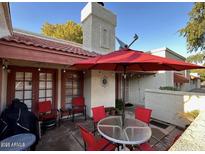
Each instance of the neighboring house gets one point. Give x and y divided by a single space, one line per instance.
195 81
36 68
5 20
138 82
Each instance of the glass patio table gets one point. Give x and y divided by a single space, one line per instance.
133 132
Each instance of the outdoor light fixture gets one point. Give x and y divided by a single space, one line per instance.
4 64
64 70
39 69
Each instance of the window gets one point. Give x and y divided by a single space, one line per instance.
23 88
73 85
45 87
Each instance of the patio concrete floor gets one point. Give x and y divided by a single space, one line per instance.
67 137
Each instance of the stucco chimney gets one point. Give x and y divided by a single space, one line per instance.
98 25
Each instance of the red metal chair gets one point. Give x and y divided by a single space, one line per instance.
98 114
45 111
143 114
78 106
93 144
46 115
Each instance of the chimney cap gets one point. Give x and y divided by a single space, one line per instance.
101 3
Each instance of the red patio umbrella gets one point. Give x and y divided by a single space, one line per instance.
128 60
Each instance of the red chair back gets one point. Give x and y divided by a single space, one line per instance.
44 106
88 137
78 101
143 114
98 113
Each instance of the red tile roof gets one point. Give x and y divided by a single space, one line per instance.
180 78
36 40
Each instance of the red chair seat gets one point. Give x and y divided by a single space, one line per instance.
48 116
78 110
145 147
102 145
93 144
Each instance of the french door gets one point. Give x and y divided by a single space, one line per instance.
72 86
31 86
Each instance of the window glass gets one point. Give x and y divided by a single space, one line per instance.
27 94
19 85
42 76
19 94
28 76
28 85
19 75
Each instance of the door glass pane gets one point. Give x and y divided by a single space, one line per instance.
49 85
19 94
75 92
68 99
27 94
28 76
42 85
49 99
76 84
28 85
42 76
69 84
75 76
42 93
48 93
19 85
19 75
49 77
41 99
69 91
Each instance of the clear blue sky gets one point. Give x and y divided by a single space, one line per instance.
157 24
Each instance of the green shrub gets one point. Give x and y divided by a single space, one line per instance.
169 88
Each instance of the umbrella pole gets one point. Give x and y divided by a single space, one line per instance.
123 106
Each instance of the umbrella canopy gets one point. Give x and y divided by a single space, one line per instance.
128 60
132 60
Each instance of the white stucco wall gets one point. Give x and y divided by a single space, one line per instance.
166 105
137 86
95 93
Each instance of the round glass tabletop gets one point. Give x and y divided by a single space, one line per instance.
133 132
